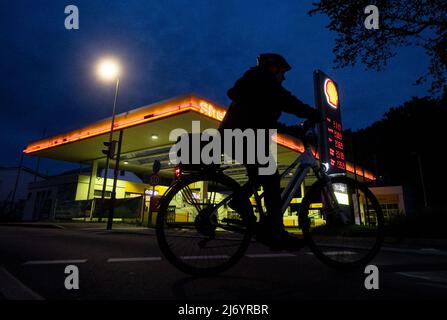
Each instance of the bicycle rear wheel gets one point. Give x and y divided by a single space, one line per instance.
349 235
196 232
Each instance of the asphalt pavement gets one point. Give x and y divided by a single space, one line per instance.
126 264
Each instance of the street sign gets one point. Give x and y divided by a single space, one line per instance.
331 146
154 180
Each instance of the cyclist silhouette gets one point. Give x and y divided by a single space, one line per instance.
258 99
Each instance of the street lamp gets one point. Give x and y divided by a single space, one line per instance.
108 69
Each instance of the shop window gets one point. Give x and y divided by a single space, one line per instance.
390 210
132 195
98 194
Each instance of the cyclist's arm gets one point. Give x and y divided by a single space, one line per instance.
294 130
291 104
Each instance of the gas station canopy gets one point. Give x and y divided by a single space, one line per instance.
146 136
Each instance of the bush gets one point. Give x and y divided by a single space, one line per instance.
429 223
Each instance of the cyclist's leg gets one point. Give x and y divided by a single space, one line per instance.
240 205
271 229
272 222
238 201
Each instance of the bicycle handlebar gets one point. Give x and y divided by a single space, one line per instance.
307 126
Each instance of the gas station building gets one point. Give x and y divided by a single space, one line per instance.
145 139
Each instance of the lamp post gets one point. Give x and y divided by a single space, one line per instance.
109 70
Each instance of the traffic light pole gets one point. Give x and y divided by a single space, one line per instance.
108 157
115 178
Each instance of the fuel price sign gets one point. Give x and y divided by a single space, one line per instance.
331 146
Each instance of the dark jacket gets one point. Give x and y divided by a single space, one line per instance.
258 100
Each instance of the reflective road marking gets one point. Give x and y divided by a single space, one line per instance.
204 257
37 262
137 259
270 255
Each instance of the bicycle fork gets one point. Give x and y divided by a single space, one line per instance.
330 198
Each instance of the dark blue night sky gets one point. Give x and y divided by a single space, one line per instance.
169 48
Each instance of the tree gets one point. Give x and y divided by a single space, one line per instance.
421 23
408 138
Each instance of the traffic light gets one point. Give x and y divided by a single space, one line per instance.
178 172
111 147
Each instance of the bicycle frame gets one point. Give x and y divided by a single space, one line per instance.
306 161
303 163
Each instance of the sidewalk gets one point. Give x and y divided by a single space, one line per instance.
71 225
416 242
32 225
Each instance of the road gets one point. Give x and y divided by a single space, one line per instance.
126 264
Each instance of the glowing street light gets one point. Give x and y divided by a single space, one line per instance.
108 69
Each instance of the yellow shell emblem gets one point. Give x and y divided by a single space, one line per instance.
330 90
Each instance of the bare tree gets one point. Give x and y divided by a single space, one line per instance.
403 23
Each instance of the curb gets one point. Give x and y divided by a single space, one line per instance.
422 242
33 225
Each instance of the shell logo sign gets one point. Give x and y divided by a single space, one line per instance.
330 90
211 111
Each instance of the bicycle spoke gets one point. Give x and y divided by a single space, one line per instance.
187 193
202 226
348 235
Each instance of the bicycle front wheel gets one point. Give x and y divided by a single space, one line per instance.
348 234
197 231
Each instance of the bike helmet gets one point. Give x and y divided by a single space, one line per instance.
273 59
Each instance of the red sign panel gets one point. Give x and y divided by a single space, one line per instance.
331 131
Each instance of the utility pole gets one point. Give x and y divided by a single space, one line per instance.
354 158
38 158
17 178
422 179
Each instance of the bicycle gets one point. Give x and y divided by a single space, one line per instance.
339 217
